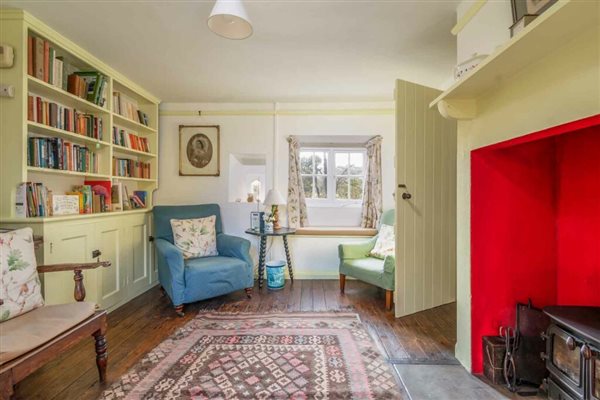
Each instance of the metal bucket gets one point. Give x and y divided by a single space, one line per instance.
275 274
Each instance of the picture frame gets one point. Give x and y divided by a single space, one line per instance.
257 222
199 150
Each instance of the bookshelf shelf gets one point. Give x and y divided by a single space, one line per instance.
127 178
131 124
55 93
41 129
64 172
57 218
126 150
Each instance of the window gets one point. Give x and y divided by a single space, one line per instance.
332 176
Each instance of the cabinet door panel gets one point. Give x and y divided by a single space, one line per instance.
67 243
112 242
141 265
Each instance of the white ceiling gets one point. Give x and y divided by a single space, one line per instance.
301 50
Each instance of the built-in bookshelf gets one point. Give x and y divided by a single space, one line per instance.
58 129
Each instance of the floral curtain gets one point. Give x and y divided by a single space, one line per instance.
372 199
296 202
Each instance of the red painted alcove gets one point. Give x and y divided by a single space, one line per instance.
535 225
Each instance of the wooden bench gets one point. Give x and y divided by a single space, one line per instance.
28 341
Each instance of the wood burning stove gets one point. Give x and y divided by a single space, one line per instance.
573 353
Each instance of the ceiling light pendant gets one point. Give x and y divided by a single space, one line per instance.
229 19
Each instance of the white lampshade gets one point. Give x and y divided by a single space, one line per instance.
229 19
274 198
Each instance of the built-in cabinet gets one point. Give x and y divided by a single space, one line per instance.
122 240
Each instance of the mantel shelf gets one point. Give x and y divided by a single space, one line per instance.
562 22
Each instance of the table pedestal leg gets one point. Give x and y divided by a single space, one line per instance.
289 258
261 260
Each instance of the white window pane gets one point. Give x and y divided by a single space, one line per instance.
320 163
341 188
321 187
356 188
341 163
306 162
307 182
356 164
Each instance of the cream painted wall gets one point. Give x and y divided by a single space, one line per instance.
262 132
486 31
561 87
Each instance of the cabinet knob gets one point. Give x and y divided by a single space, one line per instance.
586 352
571 343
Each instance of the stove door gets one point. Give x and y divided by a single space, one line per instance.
564 359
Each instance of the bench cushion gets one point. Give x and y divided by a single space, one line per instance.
37 327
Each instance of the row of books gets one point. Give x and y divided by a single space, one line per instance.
130 140
57 153
129 108
43 63
33 200
131 168
56 115
89 85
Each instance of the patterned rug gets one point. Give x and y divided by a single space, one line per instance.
262 356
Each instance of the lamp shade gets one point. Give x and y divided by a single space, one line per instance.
229 19
274 198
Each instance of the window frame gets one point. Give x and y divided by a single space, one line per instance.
331 200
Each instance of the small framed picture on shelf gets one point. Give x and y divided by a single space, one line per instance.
257 221
199 150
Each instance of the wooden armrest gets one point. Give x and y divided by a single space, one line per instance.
79 292
71 267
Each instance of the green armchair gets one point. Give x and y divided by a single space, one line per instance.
356 262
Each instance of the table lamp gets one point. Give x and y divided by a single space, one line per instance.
274 199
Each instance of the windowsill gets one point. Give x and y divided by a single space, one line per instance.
336 231
327 204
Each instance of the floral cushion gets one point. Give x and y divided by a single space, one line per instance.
20 289
385 244
195 237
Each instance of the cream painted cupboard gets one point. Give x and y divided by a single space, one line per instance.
123 240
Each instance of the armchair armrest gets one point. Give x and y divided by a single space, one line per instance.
79 292
356 250
234 246
171 269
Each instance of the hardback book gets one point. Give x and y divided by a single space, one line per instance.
117 197
30 55
126 200
46 61
38 61
21 201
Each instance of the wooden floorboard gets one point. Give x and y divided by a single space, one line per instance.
141 324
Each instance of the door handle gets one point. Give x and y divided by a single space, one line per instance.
405 195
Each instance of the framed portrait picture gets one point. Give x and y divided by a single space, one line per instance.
256 220
199 150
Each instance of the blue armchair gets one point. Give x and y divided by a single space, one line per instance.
187 281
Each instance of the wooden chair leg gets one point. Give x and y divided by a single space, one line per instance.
342 282
6 386
248 292
179 310
389 294
101 354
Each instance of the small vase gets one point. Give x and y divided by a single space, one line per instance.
269 227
